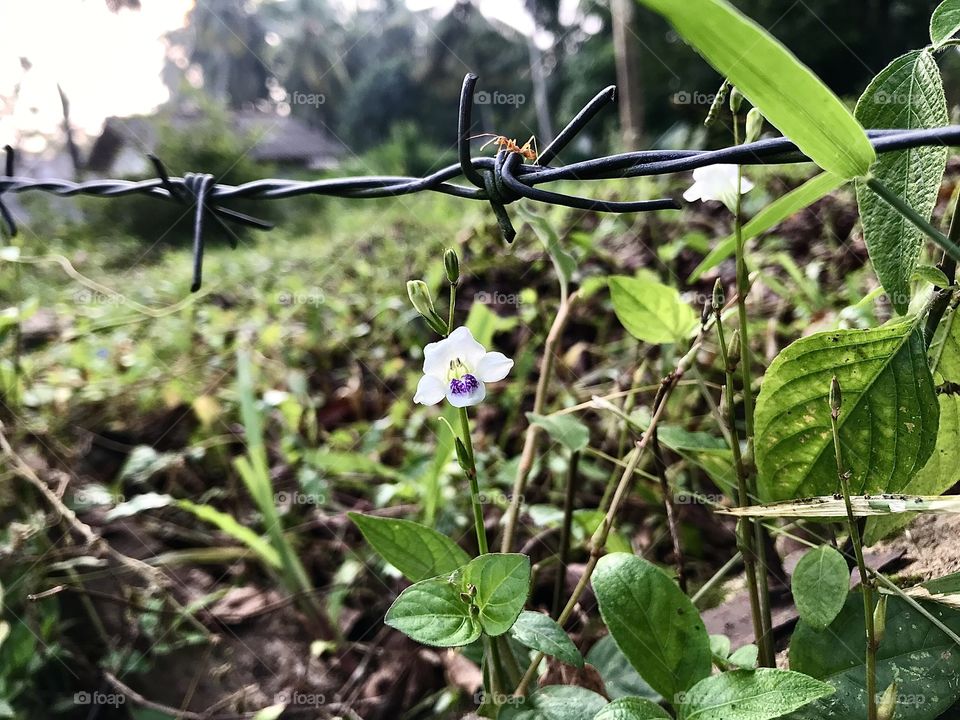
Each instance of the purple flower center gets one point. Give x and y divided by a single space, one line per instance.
464 385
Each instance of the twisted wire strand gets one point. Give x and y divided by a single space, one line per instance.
498 180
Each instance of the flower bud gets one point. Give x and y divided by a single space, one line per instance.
451 263
880 619
736 100
420 297
754 125
718 299
705 313
888 703
733 352
718 100
836 397
463 458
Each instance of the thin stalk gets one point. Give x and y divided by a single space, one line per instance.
661 468
922 224
563 553
599 539
942 300
471 472
865 580
744 538
453 304
530 438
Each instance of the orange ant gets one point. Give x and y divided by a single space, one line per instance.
510 145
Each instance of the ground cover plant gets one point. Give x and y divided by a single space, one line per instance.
418 481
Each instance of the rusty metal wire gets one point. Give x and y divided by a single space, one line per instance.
499 180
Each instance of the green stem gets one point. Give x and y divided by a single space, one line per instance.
471 471
922 224
563 554
865 579
453 303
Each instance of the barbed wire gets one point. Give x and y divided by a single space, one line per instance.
499 180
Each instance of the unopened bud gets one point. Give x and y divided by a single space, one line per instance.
705 313
462 457
736 100
888 703
718 100
754 125
836 397
451 263
880 619
420 297
719 297
733 352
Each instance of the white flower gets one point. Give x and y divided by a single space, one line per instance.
456 368
717 182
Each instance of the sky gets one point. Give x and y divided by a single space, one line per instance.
109 63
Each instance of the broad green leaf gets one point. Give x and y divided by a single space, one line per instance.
945 349
888 422
231 527
632 708
433 612
941 472
945 22
944 590
922 659
908 94
745 657
761 694
484 323
651 311
653 623
820 584
541 632
619 678
554 702
788 94
773 214
564 429
708 452
720 646
415 550
503 583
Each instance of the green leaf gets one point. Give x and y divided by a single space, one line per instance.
791 97
619 677
945 22
820 584
708 452
908 94
433 612
564 429
555 702
935 478
541 632
887 425
773 214
720 646
750 695
651 311
745 657
632 708
231 527
653 623
503 583
922 659
415 550
945 348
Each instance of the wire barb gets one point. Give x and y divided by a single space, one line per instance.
499 180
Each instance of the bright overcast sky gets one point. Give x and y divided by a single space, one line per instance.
109 64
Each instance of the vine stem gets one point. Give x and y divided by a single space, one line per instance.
866 583
471 472
532 435
922 224
599 539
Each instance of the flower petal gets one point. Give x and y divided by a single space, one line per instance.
459 344
492 367
467 399
430 390
467 349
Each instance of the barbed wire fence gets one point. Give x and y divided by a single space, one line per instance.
499 180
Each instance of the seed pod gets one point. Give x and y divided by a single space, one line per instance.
754 125
451 263
888 703
420 298
462 457
718 101
733 352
